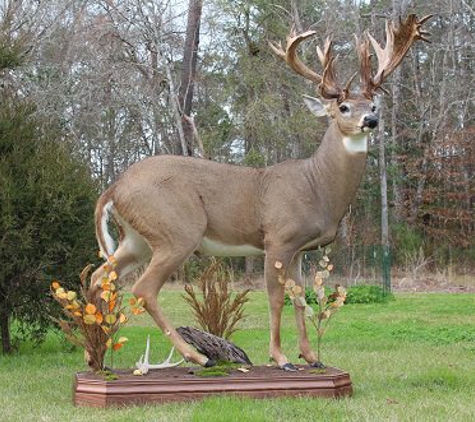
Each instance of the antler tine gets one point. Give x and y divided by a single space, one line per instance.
398 42
364 56
289 55
325 55
329 87
346 89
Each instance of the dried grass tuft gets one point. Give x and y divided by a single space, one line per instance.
213 307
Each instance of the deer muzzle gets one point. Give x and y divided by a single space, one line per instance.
370 121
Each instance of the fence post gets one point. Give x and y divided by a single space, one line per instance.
386 269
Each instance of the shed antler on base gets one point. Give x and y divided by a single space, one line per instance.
171 207
144 365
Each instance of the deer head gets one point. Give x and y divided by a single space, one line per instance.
353 111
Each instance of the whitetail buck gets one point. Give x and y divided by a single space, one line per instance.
169 207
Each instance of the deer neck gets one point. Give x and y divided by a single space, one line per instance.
338 167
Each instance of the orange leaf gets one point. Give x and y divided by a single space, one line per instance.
113 275
90 309
99 318
112 304
77 313
117 346
122 319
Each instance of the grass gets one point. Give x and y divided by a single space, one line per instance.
412 359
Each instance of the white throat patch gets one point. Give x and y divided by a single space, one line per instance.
356 144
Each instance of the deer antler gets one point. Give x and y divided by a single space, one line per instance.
329 87
327 84
398 41
289 55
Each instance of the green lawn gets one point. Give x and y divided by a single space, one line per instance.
412 359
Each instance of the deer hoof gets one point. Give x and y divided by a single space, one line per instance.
318 365
210 363
288 367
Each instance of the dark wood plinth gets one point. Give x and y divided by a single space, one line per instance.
177 384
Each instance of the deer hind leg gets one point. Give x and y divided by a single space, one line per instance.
162 265
276 295
295 273
132 253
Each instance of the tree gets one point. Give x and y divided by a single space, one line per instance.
188 71
46 229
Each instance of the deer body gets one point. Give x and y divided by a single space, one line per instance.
238 210
169 207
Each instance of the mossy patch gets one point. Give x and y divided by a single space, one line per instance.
222 369
107 375
212 372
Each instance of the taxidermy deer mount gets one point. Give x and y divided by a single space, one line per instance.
170 207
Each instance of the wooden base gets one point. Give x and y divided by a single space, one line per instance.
177 384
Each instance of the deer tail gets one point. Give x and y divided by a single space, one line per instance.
104 239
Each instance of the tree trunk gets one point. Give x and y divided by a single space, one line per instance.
385 246
384 181
188 71
295 6
383 172
5 332
399 9
248 269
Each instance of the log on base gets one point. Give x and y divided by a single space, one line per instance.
214 347
178 385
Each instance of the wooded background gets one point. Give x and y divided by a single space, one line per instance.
121 80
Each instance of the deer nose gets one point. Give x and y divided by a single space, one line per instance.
370 121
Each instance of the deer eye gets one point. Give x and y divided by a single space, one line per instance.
344 108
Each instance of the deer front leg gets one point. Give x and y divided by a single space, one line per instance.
306 352
276 294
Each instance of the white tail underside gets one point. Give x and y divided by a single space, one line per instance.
109 242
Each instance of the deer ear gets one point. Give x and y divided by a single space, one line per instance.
316 106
